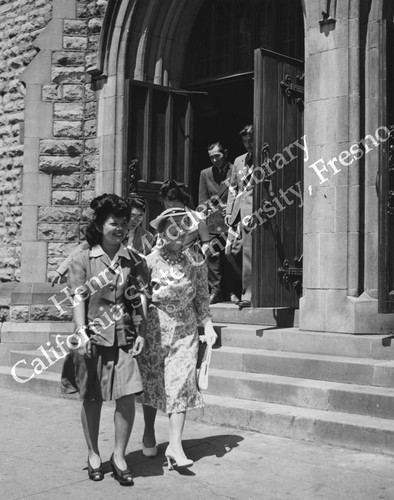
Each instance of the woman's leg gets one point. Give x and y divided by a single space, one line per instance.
177 423
149 438
90 416
124 419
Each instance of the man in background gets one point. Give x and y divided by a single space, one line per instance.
239 206
213 191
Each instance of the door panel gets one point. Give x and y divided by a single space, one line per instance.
277 242
160 136
385 182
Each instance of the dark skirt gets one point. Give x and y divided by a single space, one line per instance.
110 373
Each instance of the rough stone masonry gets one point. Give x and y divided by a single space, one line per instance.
69 152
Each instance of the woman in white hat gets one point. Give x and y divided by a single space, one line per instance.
179 303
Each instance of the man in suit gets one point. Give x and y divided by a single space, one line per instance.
239 206
213 192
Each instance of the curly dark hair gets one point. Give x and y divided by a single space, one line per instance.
104 206
173 191
136 201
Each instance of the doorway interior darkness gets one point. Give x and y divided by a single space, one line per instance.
169 128
219 60
219 116
227 39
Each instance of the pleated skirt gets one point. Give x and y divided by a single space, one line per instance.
110 373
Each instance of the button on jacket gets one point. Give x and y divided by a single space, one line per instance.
102 284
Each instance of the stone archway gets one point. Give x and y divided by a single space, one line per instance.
144 41
141 40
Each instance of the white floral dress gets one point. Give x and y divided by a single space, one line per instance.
179 302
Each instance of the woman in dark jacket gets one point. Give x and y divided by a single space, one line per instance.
102 365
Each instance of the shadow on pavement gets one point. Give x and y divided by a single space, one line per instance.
196 449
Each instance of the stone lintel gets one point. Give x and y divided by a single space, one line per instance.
64 9
29 223
42 128
37 190
51 38
39 70
34 261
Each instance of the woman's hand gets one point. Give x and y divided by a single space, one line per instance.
227 219
137 320
139 345
209 333
208 251
85 349
55 277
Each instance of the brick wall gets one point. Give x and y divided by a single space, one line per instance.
20 23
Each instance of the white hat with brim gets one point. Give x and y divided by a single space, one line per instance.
167 214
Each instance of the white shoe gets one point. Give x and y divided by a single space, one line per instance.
178 461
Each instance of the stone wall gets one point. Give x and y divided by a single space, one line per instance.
21 21
71 156
68 154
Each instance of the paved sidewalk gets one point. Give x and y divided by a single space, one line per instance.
43 457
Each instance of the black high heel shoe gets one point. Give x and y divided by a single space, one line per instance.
123 476
95 474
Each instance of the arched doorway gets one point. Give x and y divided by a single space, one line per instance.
168 128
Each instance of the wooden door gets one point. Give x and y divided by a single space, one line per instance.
278 124
385 181
160 136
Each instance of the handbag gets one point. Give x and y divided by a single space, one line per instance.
202 372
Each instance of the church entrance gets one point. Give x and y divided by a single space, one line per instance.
243 65
219 116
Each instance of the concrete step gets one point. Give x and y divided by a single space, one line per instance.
294 340
316 394
47 383
52 364
7 348
271 316
35 332
362 371
368 434
365 433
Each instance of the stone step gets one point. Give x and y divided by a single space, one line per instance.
35 332
271 316
47 383
364 433
362 371
316 394
294 340
52 365
6 349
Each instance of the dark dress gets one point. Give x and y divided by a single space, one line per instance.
111 372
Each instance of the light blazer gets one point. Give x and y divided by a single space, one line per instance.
240 197
209 187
